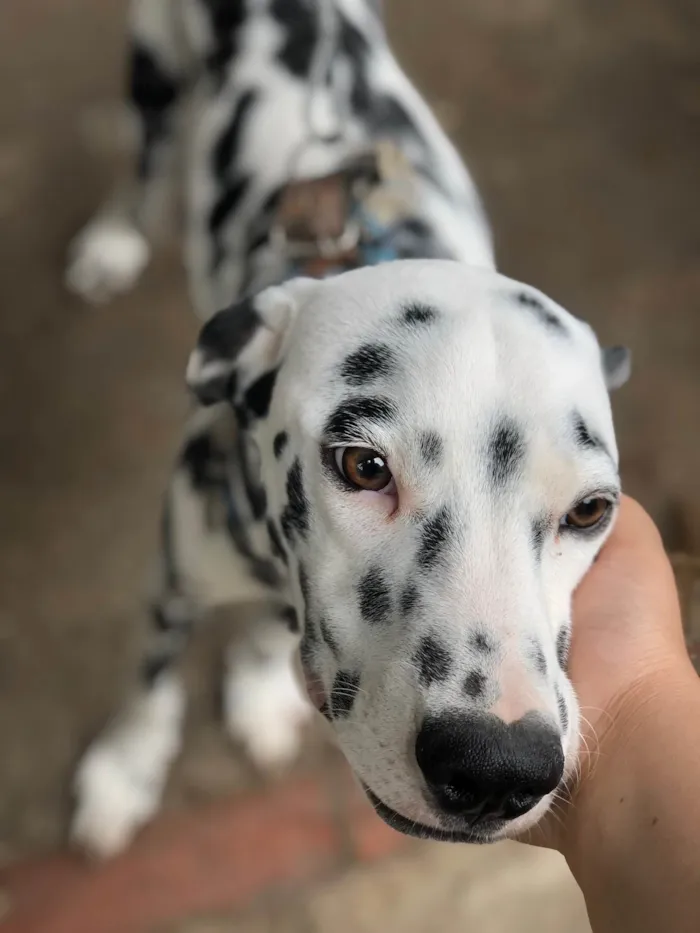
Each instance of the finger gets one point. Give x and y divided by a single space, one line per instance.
634 535
632 583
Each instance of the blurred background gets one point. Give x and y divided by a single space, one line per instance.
580 120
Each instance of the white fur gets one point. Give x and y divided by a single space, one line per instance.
482 359
264 708
120 781
106 259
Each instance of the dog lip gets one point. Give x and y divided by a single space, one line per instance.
417 830
315 690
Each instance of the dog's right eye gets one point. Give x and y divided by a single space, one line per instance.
363 468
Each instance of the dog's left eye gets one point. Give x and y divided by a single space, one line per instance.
587 514
363 468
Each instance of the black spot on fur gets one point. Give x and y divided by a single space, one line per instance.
309 642
361 97
230 197
289 615
279 443
414 239
563 710
417 314
563 644
300 30
295 516
391 117
204 462
351 415
329 638
538 534
506 451
325 711
229 331
584 437
537 658
259 395
227 148
435 536
432 660
409 600
153 92
351 41
374 596
276 545
343 693
542 312
482 643
353 46
431 447
264 571
225 18
304 585
258 233
369 362
152 89
475 685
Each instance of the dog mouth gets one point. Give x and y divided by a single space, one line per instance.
482 834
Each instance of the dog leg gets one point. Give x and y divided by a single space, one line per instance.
120 780
264 706
111 252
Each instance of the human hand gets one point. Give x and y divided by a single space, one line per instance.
627 649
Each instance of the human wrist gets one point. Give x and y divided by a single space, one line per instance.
631 771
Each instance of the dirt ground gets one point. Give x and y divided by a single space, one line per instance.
581 122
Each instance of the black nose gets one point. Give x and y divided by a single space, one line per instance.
482 768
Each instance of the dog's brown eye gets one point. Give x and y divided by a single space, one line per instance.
363 468
587 513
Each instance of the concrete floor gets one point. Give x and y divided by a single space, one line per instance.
502 889
581 122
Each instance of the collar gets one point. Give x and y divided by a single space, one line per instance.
329 224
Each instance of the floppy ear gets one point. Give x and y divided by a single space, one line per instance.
240 349
617 366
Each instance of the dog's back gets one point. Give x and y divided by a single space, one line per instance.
277 90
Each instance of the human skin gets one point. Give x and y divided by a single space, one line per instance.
630 827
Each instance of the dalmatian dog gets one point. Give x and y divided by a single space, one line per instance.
402 464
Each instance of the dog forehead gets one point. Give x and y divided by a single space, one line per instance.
351 305
439 338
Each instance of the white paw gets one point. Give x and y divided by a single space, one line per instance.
106 258
112 803
120 781
266 711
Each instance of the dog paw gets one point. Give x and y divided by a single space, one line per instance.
112 803
105 259
266 712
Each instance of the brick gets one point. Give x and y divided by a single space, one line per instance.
214 859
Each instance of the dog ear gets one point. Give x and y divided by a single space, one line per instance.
240 349
617 366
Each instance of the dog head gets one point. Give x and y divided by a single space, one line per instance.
437 447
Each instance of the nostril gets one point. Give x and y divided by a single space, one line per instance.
458 798
519 803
